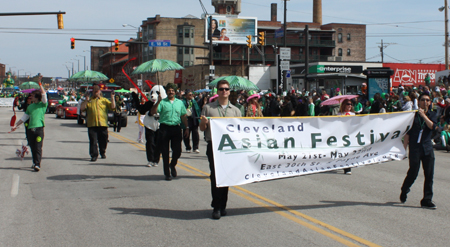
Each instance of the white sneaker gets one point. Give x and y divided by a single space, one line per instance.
348 173
150 164
155 164
197 151
188 151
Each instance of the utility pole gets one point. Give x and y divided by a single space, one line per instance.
384 45
306 35
284 25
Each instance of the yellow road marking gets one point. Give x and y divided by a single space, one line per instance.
266 203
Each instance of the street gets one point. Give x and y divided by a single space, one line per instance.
118 201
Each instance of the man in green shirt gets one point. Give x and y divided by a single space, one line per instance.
171 112
97 120
35 131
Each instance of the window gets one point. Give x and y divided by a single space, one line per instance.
340 52
348 36
186 33
339 37
192 50
349 52
180 50
186 64
301 50
192 33
186 50
180 33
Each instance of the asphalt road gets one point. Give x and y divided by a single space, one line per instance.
118 201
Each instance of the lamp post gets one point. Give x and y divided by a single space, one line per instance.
85 68
78 63
445 9
84 60
18 75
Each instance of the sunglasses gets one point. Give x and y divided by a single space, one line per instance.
224 89
349 103
425 100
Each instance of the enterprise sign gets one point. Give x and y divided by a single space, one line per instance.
322 69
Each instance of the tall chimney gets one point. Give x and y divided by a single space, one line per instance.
273 12
317 11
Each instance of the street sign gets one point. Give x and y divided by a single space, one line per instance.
139 82
279 33
284 65
285 53
212 69
288 73
159 43
111 80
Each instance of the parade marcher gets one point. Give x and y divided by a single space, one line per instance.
418 139
172 112
253 106
220 108
35 113
408 105
193 120
346 109
97 120
118 114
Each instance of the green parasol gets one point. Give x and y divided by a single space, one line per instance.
122 91
29 85
236 83
156 65
88 75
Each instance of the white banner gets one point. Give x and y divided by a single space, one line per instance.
248 150
4 102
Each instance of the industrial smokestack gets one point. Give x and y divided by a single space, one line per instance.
273 12
317 11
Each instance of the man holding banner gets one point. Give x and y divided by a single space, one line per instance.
219 108
421 149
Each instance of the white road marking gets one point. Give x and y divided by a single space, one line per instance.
15 185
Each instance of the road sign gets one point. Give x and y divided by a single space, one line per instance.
285 53
212 69
284 65
279 33
139 82
159 43
111 80
288 73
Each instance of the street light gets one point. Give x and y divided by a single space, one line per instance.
445 9
89 57
84 60
18 75
78 63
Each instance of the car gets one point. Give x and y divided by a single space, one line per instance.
81 116
54 99
67 110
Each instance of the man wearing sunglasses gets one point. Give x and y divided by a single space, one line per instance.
219 108
421 149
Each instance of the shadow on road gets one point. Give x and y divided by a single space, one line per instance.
73 177
73 125
202 214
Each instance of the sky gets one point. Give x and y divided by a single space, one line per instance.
413 30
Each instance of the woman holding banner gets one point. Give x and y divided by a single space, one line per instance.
346 109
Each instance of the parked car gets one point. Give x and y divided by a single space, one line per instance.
81 116
67 110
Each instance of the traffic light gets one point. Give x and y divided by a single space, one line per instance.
261 38
60 21
249 41
72 43
116 44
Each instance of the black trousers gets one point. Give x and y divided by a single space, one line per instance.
117 121
98 140
170 135
414 167
219 194
152 150
35 138
195 138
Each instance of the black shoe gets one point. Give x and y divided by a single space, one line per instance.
168 178
94 158
216 214
103 156
428 204
403 197
37 168
223 212
173 171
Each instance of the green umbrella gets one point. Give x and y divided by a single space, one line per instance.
156 65
236 83
29 85
88 75
122 91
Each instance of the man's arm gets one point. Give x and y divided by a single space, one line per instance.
406 141
113 101
155 106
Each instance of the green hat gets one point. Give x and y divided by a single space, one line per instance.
214 95
252 94
371 100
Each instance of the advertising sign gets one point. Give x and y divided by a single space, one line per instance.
231 30
378 85
248 150
413 74
319 69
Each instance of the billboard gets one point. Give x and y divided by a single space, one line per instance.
413 74
231 30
